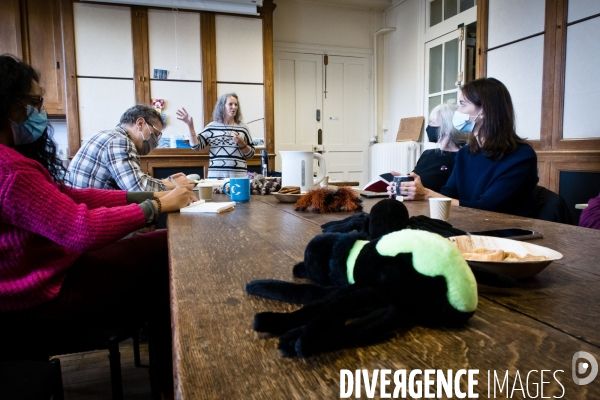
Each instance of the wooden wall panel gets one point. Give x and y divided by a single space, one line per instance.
482 38
10 28
209 63
552 162
266 11
45 51
141 58
544 173
70 75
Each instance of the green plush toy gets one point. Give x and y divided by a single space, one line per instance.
363 291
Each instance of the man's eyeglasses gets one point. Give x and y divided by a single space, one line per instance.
157 133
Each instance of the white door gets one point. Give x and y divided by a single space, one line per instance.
336 123
298 80
347 118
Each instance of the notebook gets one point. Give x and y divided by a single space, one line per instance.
380 183
209 207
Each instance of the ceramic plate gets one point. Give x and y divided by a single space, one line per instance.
514 269
287 198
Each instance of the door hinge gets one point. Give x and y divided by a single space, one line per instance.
461 35
325 59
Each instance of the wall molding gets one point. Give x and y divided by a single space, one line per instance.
320 49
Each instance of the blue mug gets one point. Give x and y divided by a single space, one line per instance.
239 190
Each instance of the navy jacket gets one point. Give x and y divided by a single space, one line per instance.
504 185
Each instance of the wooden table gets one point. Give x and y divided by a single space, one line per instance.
537 325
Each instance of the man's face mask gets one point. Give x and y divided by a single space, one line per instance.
433 133
461 121
149 144
32 128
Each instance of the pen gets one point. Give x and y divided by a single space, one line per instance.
173 180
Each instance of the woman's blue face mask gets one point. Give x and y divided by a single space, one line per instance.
32 128
461 121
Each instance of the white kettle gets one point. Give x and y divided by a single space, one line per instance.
297 169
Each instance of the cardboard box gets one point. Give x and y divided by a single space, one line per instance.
410 129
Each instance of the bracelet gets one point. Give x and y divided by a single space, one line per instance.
158 203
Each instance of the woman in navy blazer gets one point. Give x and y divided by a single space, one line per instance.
496 170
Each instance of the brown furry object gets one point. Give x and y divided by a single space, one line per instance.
326 200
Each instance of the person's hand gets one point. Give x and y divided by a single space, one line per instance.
176 199
182 180
183 115
413 190
391 189
239 141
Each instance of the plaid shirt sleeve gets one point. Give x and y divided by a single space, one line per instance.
123 162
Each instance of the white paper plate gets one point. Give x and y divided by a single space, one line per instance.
514 269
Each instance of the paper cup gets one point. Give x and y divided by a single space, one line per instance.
205 192
439 208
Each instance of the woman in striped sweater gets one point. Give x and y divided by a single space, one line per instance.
61 259
227 137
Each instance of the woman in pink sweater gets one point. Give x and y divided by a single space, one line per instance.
61 259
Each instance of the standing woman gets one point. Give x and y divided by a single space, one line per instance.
496 170
61 258
227 136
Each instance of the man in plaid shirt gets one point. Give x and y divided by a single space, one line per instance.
111 159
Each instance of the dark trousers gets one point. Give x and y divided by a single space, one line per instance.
123 284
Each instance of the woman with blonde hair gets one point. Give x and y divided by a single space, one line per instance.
435 165
227 137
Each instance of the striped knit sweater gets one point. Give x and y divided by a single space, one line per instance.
226 158
44 228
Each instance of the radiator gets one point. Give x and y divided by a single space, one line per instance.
396 156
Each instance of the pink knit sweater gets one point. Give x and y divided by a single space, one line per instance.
44 228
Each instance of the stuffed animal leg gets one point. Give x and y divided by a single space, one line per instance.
378 286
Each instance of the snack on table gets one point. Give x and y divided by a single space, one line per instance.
289 190
485 255
481 254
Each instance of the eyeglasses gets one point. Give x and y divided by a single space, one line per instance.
36 102
157 133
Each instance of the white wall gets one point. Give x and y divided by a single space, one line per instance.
323 24
403 70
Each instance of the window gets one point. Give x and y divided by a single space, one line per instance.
441 10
